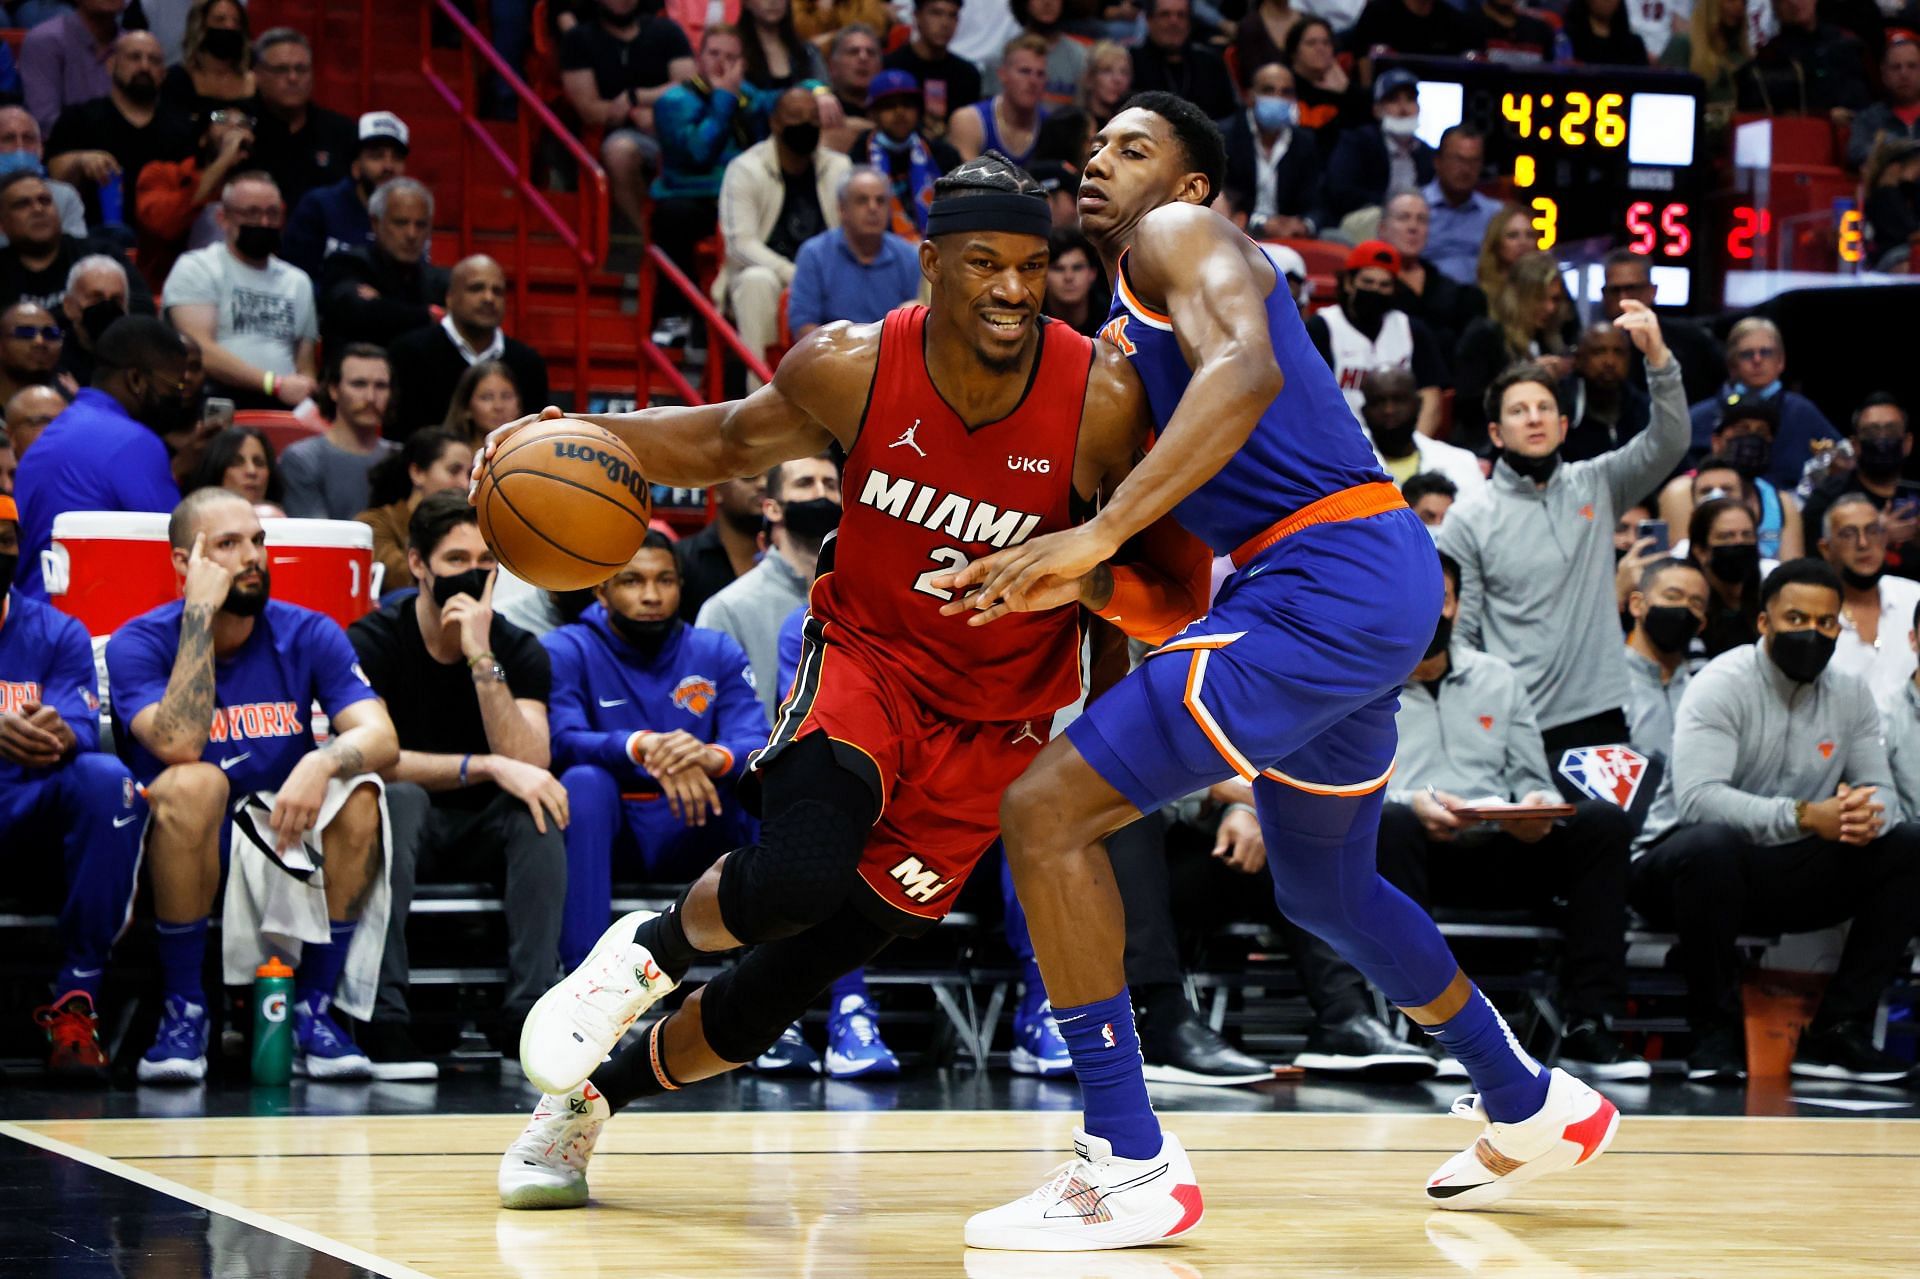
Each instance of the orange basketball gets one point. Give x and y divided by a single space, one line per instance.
563 504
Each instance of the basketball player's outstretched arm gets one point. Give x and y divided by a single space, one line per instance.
1198 264
815 397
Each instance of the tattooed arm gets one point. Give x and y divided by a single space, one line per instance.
175 728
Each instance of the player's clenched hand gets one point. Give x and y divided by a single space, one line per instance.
498 436
538 789
691 795
1026 578
50 719
296 805
670 752
1239 842
25 743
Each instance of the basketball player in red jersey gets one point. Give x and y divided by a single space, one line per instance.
968 427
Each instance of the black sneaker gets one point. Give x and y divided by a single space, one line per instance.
394 1056
1720 1057
1361 1046
1192 1052
1590 1050
1846 1052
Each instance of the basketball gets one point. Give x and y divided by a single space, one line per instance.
563 505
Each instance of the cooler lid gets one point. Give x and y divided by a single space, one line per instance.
142 526
282 532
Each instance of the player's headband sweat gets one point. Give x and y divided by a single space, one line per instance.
990 211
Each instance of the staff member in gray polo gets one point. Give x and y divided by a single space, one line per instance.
1536 548
1787 824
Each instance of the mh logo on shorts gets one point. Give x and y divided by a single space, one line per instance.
918 881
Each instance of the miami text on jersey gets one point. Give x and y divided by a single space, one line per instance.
955 515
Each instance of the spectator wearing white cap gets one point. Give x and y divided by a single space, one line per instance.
331 218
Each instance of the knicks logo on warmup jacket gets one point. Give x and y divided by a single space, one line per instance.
694 693
17 693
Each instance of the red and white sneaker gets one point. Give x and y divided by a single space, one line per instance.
1097 1200
1575 1126
576 1024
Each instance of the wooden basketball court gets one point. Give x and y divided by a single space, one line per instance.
849 1194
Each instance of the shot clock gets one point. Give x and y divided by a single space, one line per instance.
1592 153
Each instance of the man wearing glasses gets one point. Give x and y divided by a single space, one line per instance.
30 343
1756 357
1876 608
1629 278
302 145
1881 439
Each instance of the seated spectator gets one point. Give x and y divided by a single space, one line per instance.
897 147
651 772
1628 277
28 414
1262 36
251 311
39 255
1170 60
326 475
775 55
802 506
615 67
1275 160
174 206
1896 114
1389 413
1809 67
181 676
1509 36
1882 440
106 452
240 460
1067 56
1009 121
815 20
1756 358
1667 605
853 59
431 461
380 292
1108 83
947 81
1601 35
56 787
774 198
702 124
1458 213
96 296
1423 291
727 548
1371 160
30 342
859 271
1430 852
1509 237
1065 142
1892 184
1412 28
215 71
471 794
1744 441
1547 606
1717 43
429 363
1605 409
486 397
302 145
1874 605
1770 843
328 219
1431 495
20 136
1073 272
63 60
1331 100
117 135
1363 332
1723 543
1524 321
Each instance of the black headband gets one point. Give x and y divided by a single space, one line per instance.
991 211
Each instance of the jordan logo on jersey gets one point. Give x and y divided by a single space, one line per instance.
256 719
694 693
15 694
907 440
1026 734
953 514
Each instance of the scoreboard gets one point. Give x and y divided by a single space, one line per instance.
1593 153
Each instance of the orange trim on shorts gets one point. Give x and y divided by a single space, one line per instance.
1196 679
1319 788
1356 503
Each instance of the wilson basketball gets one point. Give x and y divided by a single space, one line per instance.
563 504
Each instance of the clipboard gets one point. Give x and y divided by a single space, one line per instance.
1512 812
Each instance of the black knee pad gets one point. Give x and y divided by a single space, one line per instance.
796 876
739 1024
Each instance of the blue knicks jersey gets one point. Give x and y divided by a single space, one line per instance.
1306 445
45 657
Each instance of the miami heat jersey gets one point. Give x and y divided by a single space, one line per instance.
1306 445
925 495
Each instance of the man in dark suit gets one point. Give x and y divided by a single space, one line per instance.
1373 161
1273 160
1168 59
381 292
427 363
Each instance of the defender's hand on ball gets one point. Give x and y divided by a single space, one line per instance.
1042 574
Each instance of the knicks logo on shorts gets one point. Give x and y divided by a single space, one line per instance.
694 693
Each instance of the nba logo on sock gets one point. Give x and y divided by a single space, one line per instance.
1612 773
1106 1034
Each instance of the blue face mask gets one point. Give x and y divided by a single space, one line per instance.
1275 114
12 162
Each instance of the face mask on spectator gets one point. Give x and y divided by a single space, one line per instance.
1801 655
1275 114
1750 455
1537 469
1394 441
472 582
1400 126
165 414
1442 636
801 139
1368 310
1862 581
224 43
647 634
1880 456
258 241
811 520
97 318
1732 564
21 162
1670 627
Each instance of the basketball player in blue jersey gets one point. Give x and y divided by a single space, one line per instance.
1289 682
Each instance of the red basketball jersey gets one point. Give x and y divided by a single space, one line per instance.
925 495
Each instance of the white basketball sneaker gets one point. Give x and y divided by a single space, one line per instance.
1097 1200
1575 1125
576 1024
546 1166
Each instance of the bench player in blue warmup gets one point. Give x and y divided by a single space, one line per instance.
1290 682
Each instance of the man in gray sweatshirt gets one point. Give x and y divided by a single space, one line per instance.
1536 548
1668 607
1787 824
